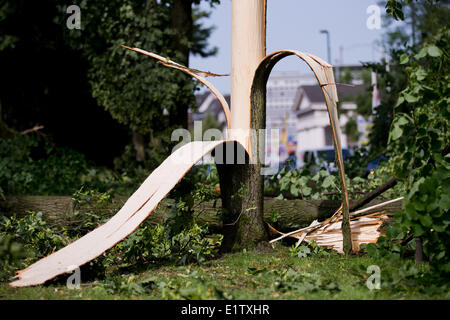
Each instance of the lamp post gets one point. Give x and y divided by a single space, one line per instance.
328 44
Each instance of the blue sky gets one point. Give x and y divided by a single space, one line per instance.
295 24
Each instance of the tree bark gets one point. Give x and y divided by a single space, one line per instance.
284 215
182 24
138 143
242 192
241 184
419 251
5 131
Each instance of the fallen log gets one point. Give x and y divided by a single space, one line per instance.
285 215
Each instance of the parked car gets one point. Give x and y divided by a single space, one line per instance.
322 158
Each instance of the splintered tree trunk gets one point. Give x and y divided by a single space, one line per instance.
242 184
242 204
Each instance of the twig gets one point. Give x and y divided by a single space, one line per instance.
360 212
34 129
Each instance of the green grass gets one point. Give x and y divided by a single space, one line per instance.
259 274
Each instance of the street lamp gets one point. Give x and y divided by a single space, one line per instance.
328 44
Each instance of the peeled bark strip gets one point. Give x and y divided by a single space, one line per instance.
250 70
324 75
135 210
194 73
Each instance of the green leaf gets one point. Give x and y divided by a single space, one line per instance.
400 101
421 74
404 58
396 133
422 53
410 98
294 190
371 249
444 202
328 182
306 191
434 51
425 220
402 120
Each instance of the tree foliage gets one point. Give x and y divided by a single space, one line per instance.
137 91
418 145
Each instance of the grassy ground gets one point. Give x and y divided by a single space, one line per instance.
263 274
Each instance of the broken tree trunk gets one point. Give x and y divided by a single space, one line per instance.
242 183
248 37
285 215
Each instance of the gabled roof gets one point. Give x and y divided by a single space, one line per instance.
208 103
314 94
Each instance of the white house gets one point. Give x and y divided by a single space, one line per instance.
313 129
295 107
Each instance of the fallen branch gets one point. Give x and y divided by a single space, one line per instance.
290 214
373 194
365 210
34 129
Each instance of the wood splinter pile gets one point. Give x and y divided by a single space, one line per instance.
365 225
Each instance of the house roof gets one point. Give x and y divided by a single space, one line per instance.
208 103
314 94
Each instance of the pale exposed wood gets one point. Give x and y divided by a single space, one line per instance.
248 49
248 43
194 73
135 210
365 229
324 75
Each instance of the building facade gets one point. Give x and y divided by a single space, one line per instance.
296 113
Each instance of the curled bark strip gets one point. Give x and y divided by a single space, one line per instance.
325 77
137 208
194 73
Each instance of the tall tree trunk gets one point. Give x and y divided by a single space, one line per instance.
5 131
138 143
182 24
242 184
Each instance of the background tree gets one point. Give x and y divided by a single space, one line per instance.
421 20
418 145
43 81
128 85
58 77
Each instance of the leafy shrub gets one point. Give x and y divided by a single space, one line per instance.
302 184
11 253
34 232
32 165
418 141
180 239
418 150
307 249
